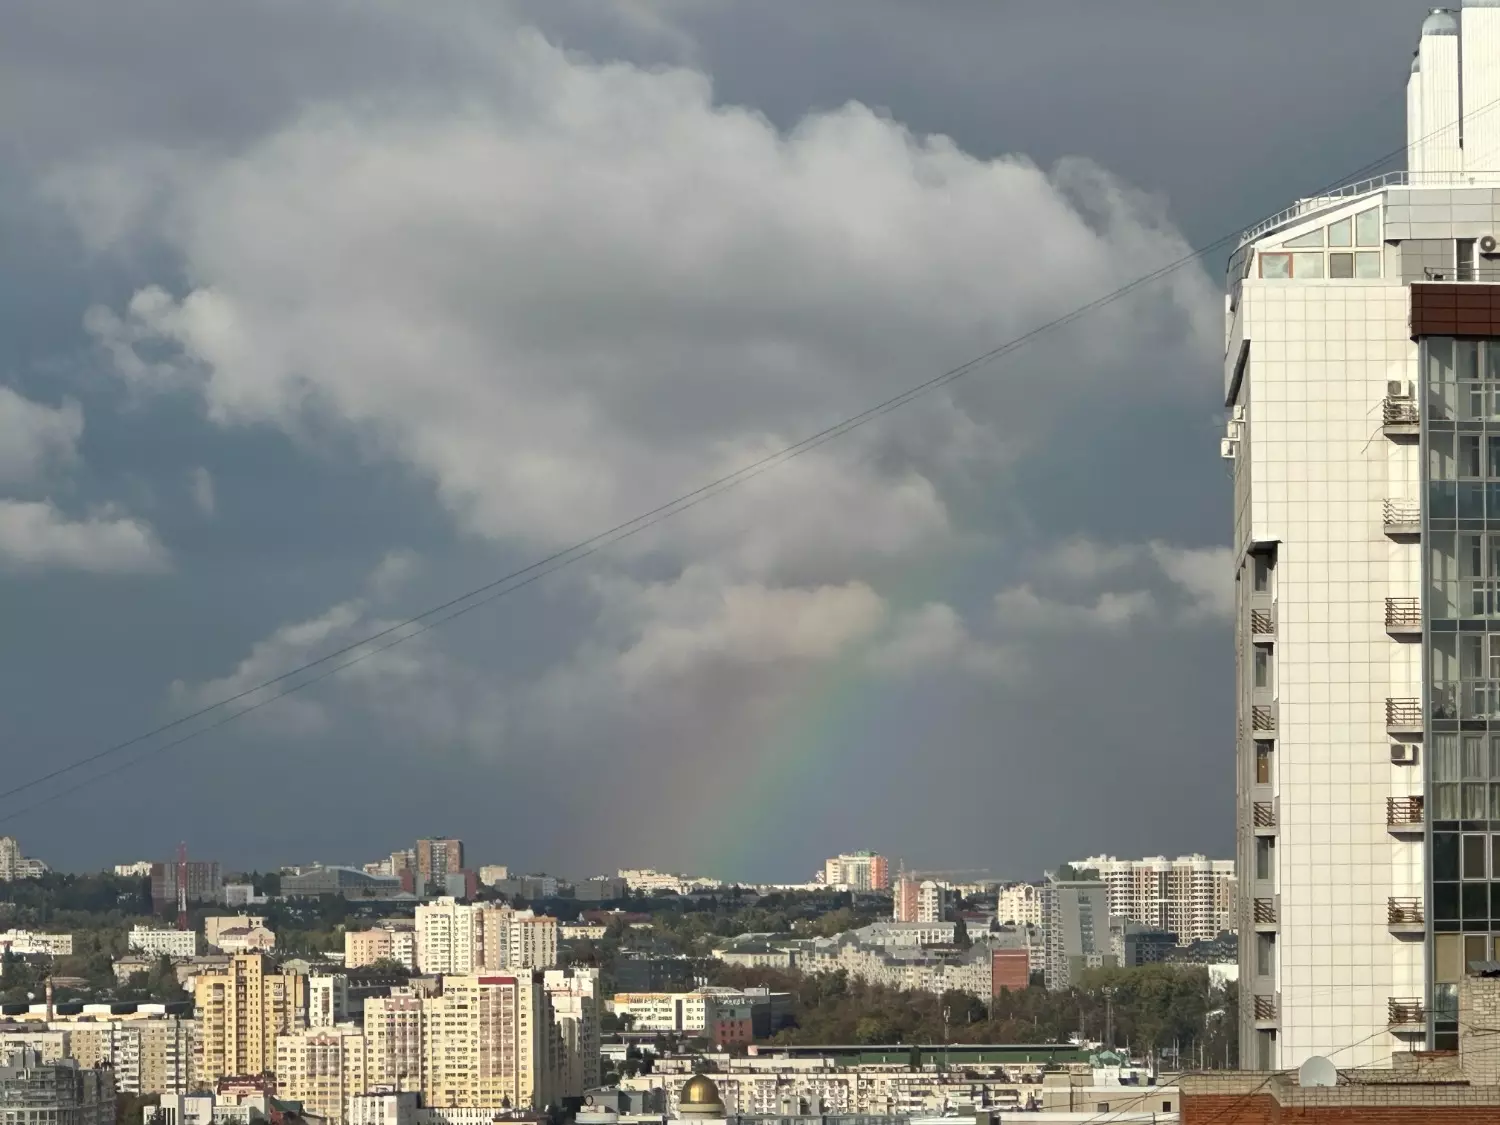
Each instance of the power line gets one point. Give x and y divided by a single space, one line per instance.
517 579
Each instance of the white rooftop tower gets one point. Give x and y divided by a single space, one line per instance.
1362 380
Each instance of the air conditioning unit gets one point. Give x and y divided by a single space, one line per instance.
1489 245
1403 753
1398 388
1236 431
1239 413
1227 448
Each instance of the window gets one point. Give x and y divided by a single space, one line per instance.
1264 762
1262 566
1463 257
1474 849
1367 227
1265 1050
1340 265
1312 239
1306 265
1276 265
1366 265
1341 233
1265 955
1265 858
1470 464
1262 668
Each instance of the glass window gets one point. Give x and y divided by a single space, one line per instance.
1445 901
1476 802
1276 265
1262 563
1367 227
1445 757
1265 955
1265 858
1476 903
1466 360
1262 667
1313 238
1471 502
1264 759
1474 849
1307 265
1445 801
1463 258
1476 760
1440 463
1476 948
1470 462
1341 265
1366 265
1341 233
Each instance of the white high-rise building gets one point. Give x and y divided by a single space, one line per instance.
1362 376
1191 896
575 1002
932 901
1019 904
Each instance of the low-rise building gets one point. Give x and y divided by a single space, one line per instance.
394 940
246 939
57 1093
215 925
180 945
140 869
28 943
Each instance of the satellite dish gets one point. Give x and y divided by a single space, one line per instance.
1317 1071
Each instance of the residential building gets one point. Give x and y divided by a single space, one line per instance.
167 1051
581 931
141 869
205 883
246 939
492 873
57 1093
327 999
573 996
436 857
1075 918
648 881
237 896
450 936
1356 368
322 1068
532 942
932 901
859 871
14 865
392 940
395 1041
1192 896
180 945
1019 904
751 951
489 1041
241 1009
904 899
1010 969
920 969
215 925
1134 945
29 943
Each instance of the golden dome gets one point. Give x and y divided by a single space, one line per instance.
701 1092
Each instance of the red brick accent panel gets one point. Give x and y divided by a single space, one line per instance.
1263 1109
1455 310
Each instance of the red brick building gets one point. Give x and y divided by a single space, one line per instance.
1011 969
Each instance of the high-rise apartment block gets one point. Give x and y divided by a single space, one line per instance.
241 1010
932 901
14 865
489 1042
205 883
395 1039
1362 376
861 871
60 1093
573 996
322 1068
1191 896
437 857
454 937
146 1056
904 899
1075 917
1019 904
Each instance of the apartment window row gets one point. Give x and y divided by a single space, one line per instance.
1329 251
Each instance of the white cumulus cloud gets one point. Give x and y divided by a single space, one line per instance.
36 535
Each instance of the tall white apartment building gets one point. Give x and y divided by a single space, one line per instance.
327 999
489 1041
1191 896
532 942
573 994
932 901
859 871
1019 904
1362 376
457 938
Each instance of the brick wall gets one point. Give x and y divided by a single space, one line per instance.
1479 1030
1263 1109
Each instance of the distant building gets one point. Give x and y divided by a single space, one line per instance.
932 901
246 939
859 871
492 873
28 943
349 882
600 888
205 883
647 972
141 869
1010 969
14 865
241 1009
1135 945
756 953
1019 904
216 924
393 940
904 899
154 942
573 994
1075 917
1192 896
59 1093
437 856
323 1068
237 896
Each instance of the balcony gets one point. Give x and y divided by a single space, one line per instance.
1403 618
1265 1009
1406 1014
1401 418
1263 913
1405 916
1263 718
1263 816
1402 518
1262 624
1404 816
1403 716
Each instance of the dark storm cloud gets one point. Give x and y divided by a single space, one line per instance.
1224 110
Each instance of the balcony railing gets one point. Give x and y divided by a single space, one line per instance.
1403 615
1404 812
1263 717
1406 1012
1265 1008
1263 814
1262 621
1404 912
1400 412
1264 912
1403 714
1402 517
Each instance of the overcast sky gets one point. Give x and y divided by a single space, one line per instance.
314 316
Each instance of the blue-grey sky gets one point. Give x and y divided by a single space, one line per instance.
316 315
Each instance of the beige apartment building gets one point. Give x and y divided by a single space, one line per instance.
395 1041
574 1000
489 1042
390 942
454 937
322 1068
242 1008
